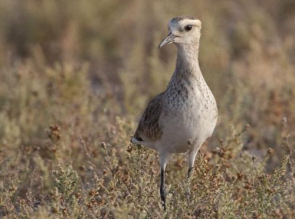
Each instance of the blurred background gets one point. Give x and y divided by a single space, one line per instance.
71 69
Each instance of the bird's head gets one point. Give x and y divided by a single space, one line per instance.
183 30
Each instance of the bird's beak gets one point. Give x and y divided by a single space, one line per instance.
168 40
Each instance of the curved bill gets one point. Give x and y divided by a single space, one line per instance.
170 39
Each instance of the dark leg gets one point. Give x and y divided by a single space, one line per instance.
164 157
189 172
162 190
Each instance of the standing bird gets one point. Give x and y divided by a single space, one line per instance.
186 112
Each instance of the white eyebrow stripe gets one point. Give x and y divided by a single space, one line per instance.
185 22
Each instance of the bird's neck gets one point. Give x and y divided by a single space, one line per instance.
187 65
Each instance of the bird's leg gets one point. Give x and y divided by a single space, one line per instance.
191 156
189 172
164 157
162 188
188 192
191 159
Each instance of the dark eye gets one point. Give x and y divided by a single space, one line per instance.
188 27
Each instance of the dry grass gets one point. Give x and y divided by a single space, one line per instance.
75 77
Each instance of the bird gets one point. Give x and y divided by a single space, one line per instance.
184 116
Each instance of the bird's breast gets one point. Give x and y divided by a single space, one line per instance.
189 114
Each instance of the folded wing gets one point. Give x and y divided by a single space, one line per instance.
149 128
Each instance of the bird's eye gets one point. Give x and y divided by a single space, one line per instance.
188 27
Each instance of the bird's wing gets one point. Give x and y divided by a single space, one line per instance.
149 128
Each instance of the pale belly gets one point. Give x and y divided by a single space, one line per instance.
196 125
189 113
